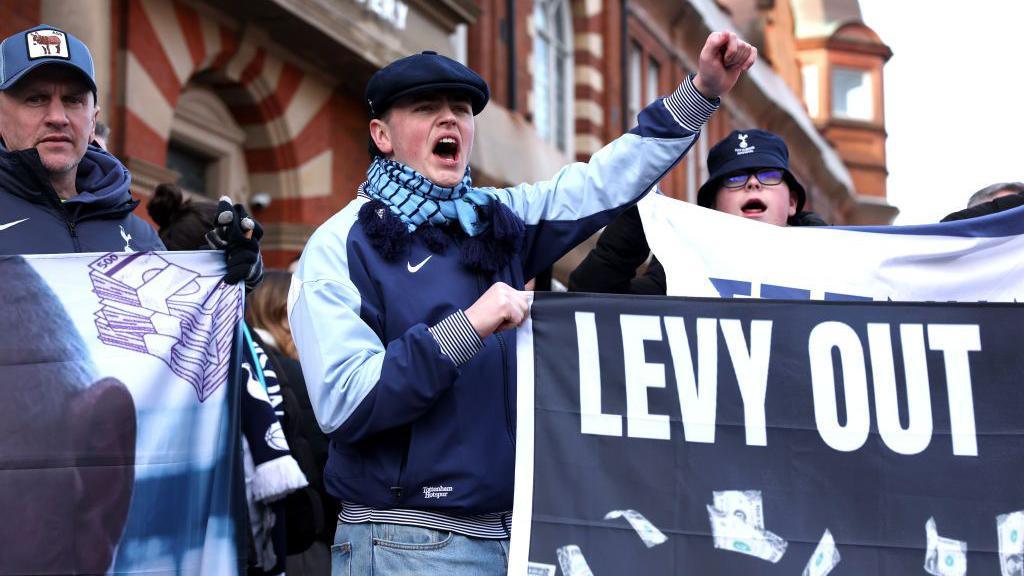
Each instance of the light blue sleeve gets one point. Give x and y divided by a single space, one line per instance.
583 197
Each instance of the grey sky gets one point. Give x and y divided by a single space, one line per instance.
953 100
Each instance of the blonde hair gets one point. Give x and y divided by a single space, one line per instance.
267 308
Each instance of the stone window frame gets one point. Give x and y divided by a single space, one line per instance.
553 116
202 122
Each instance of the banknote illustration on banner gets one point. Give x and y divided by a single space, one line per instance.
118 444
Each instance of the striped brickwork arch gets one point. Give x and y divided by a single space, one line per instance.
291 116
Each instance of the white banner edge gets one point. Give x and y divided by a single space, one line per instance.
522 499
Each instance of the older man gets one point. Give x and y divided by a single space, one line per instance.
994 191
59 194
400 302
990 200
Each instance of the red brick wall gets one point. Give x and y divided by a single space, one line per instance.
18 15
524 47
488 49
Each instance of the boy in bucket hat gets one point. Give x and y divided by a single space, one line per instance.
749 178
400 304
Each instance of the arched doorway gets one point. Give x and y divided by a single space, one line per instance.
206 146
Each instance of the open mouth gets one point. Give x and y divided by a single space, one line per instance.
447 149
753 207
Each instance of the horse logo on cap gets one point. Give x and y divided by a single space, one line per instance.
46 44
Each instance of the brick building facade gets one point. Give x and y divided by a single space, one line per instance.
263 99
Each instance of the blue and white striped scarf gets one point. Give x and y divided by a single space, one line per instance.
416 201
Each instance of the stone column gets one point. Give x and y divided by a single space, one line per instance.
89 20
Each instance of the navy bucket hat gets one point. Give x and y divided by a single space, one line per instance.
744 150
420 74
43 45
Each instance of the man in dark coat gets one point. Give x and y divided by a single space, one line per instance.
67 446
990 200
60 194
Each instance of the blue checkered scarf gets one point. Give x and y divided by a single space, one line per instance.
416 201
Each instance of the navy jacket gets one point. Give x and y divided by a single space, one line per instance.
411 425
33 220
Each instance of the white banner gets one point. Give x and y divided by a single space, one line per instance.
119 425
710 253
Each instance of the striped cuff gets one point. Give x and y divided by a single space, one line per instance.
689 107
456 337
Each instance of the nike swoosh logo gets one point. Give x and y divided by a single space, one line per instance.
9 224
416 268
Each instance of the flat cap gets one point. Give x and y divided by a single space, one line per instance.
423 73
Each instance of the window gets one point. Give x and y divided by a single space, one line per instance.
812 87
552 71
191 165
692 185
653 77
852 95
460 43
636 97
644 84
696 166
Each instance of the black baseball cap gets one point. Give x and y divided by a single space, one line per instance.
423 73
744 150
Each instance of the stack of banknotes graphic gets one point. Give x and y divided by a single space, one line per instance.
152 306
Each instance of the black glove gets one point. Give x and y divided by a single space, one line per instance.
242 255
990 207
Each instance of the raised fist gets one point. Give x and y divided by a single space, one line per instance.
722 60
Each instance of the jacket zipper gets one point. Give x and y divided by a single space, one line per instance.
507 379
74 233
396 490
481 288
71 224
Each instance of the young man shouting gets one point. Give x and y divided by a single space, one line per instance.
401 300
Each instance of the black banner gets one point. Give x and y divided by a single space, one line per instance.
894 427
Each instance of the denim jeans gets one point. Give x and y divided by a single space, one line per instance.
376 549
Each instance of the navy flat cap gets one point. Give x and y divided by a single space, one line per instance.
747 150
422 73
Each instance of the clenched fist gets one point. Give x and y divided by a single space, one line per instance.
500 308
722 60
